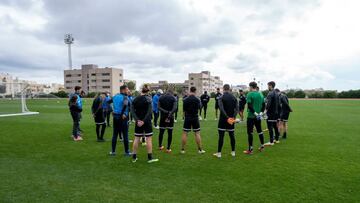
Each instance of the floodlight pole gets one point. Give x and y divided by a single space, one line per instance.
68 39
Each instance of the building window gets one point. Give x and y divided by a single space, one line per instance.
191 83
106 80
93 74
79 75
106 87
68 75
68 88
105 74
120 80
79 81
93 80
191 78
68 81
120 74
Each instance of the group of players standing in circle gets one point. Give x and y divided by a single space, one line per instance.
146 108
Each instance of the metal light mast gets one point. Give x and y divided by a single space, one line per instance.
68 39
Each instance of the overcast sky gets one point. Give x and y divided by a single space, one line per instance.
297 43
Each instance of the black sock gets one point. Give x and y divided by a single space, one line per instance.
98 131
261 136
250 140
284 135
221 140
134 156
103 127
161 135
150 156
170 132
232 140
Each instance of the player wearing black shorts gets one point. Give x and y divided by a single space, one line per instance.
191 106
217 96
272 112
284 114
205 98
141 110
256 106
229 108
167 106
99 116
242 103
177 107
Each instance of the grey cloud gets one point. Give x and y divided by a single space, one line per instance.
164 23
244 63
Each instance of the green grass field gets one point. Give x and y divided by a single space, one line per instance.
319 162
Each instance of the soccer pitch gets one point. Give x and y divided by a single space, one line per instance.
319 162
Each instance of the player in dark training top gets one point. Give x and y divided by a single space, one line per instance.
141 109
272 112
229 108
167 106
284 114
205 98
217 96
242 103
191 106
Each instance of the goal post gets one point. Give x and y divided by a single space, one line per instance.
13 98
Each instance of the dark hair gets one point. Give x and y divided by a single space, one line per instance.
226 87
77 88
272 84
240 90
218 89
192 89
145 89
123 87
253 84
205 92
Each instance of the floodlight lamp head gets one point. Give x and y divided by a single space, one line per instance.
68 39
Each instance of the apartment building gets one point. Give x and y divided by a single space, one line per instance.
176 87
94 79
204 81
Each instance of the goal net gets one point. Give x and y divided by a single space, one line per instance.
13 97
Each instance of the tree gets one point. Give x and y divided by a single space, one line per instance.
131 85
61 94
91 95
178 89
136 93
330 94
212 94
299 94
291 94
165 86
315 95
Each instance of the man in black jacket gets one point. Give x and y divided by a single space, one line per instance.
284 114
167 106
242 103
217 96
229 108
205 98
272 112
